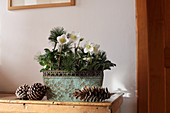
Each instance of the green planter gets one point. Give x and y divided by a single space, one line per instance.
61 85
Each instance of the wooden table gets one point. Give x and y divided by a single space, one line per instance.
9 104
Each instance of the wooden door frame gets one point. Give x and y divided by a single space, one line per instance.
142 56
150 36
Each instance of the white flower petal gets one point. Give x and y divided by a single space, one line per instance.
96 48
89 47
74 36
87 43
62 39
86 50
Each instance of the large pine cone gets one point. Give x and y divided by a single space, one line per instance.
36 92
21 92
94 94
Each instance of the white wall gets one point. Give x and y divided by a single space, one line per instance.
110 23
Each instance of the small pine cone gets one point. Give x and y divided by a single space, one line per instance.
36 92
21 92
94 94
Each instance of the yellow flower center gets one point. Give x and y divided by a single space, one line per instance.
73 37
88 46
62 40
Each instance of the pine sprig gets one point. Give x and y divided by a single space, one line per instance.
55 32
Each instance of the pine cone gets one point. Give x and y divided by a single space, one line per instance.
21 92
95 94
36 92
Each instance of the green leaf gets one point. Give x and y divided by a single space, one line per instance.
83 68
47 50
41 70
42 63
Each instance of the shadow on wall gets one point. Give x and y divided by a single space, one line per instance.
5 82
123 82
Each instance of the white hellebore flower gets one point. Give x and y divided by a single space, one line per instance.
88 47
74 36
62 39
96 48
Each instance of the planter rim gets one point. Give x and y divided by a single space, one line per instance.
68 77
78 74
67 72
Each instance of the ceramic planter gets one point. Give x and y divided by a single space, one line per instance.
61 85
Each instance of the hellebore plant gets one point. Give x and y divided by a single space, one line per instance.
67 54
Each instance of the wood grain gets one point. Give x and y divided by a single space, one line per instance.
156 56
167 57
117 104
9 104
168 90
10 7
153 26
142 55
167 52
167 23
11 98
118 111
34 108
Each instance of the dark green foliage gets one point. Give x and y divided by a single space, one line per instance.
68 64
67 47
97 62
102 63
48 60
55 32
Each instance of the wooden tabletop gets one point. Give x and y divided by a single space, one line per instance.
11 98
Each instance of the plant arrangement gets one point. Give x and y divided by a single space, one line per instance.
68 55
